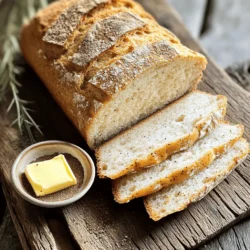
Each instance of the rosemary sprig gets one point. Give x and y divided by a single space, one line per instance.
21 12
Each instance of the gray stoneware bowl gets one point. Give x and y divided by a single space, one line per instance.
48 148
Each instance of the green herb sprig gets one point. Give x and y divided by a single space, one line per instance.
21 11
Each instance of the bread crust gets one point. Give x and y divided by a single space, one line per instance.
117 75
103 35
177 176
81 104
60 20
161 154
68 21
211 183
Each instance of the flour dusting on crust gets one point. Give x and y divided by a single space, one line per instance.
66 76
118 74
68 21
104 34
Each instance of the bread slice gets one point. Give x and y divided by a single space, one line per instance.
128 74
172 129
179 196
178 167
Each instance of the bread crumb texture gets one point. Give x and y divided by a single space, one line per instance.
179 166
179 196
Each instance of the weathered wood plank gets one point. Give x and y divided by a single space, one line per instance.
192 12
8 235
96 221
29 221
2 202
238 236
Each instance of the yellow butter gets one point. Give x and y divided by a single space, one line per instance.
50 176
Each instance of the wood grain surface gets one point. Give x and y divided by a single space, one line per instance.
236 238
96 221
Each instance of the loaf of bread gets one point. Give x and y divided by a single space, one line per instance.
108 63
170 130
179 166
179 196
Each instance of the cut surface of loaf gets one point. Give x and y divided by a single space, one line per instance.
179 196
139 84
108 63
170 130
179 166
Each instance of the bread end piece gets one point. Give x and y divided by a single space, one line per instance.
180 196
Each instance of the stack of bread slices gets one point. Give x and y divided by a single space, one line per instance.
128 85
175 156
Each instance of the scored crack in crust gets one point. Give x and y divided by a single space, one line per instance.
121 72
103 35
149 34
63 32
67 22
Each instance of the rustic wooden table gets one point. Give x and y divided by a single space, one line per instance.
203 19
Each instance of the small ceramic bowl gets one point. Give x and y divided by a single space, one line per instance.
48 148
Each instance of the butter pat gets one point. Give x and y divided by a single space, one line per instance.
50 176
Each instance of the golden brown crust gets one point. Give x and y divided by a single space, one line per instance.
97 15
150 34
50 62
63 24
164 152
117 75
63 92
103 35
48 15
68 21
60 21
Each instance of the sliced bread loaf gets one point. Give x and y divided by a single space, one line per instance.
108 63
170 130
179 196
178 167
